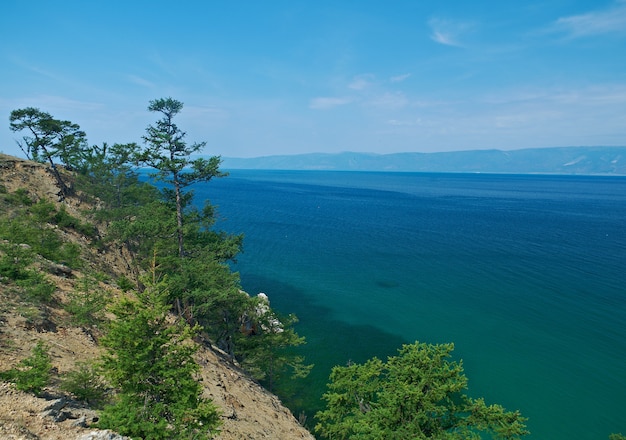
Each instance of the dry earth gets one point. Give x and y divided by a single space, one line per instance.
248 411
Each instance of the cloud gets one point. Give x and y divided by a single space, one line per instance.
324 103
389 101
448 32
205 115
404 123
54 104
361 82
607 21
141 81
399 78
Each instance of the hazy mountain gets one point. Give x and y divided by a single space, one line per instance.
563 160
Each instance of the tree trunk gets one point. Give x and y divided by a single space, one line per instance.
179 217
64 189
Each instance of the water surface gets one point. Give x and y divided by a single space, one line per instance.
525 274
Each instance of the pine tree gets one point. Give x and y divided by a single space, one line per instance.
168 153
149 360
50 139
417 394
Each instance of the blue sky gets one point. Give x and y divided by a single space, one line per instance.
285 77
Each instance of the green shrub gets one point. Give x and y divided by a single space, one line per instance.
125 284
36 287
33 373
84 384
19 198
13 261
68 254
14 267
86 305
65 220
43 211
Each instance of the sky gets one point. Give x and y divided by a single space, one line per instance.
271 77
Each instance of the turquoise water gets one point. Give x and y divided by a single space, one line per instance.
525 274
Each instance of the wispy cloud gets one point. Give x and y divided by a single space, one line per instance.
448 32
324 103
389 101
361 82
404 123
206 115
55 103
399 78
606 21
141 81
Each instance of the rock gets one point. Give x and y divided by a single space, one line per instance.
81 422
60 270
57 405
102 435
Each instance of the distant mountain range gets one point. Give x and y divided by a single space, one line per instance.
562 160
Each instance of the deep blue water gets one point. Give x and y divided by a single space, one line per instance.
525 274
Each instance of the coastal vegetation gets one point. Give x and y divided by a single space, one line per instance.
417 394
192 296
179 293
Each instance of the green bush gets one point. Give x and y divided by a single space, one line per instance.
43 211
84 384
19 198
65 220
36 287
13 262
125 284
68 254
86 305
14 267
33 373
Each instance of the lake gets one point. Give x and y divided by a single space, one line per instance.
526 274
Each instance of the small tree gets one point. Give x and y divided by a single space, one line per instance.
49 139
150 361
417 394
168 153
33 373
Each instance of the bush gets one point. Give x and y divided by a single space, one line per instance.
33 373
125 284
84 384
86 305
14 267
36 287
14 261
68 254
65 220
19 198
43 211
